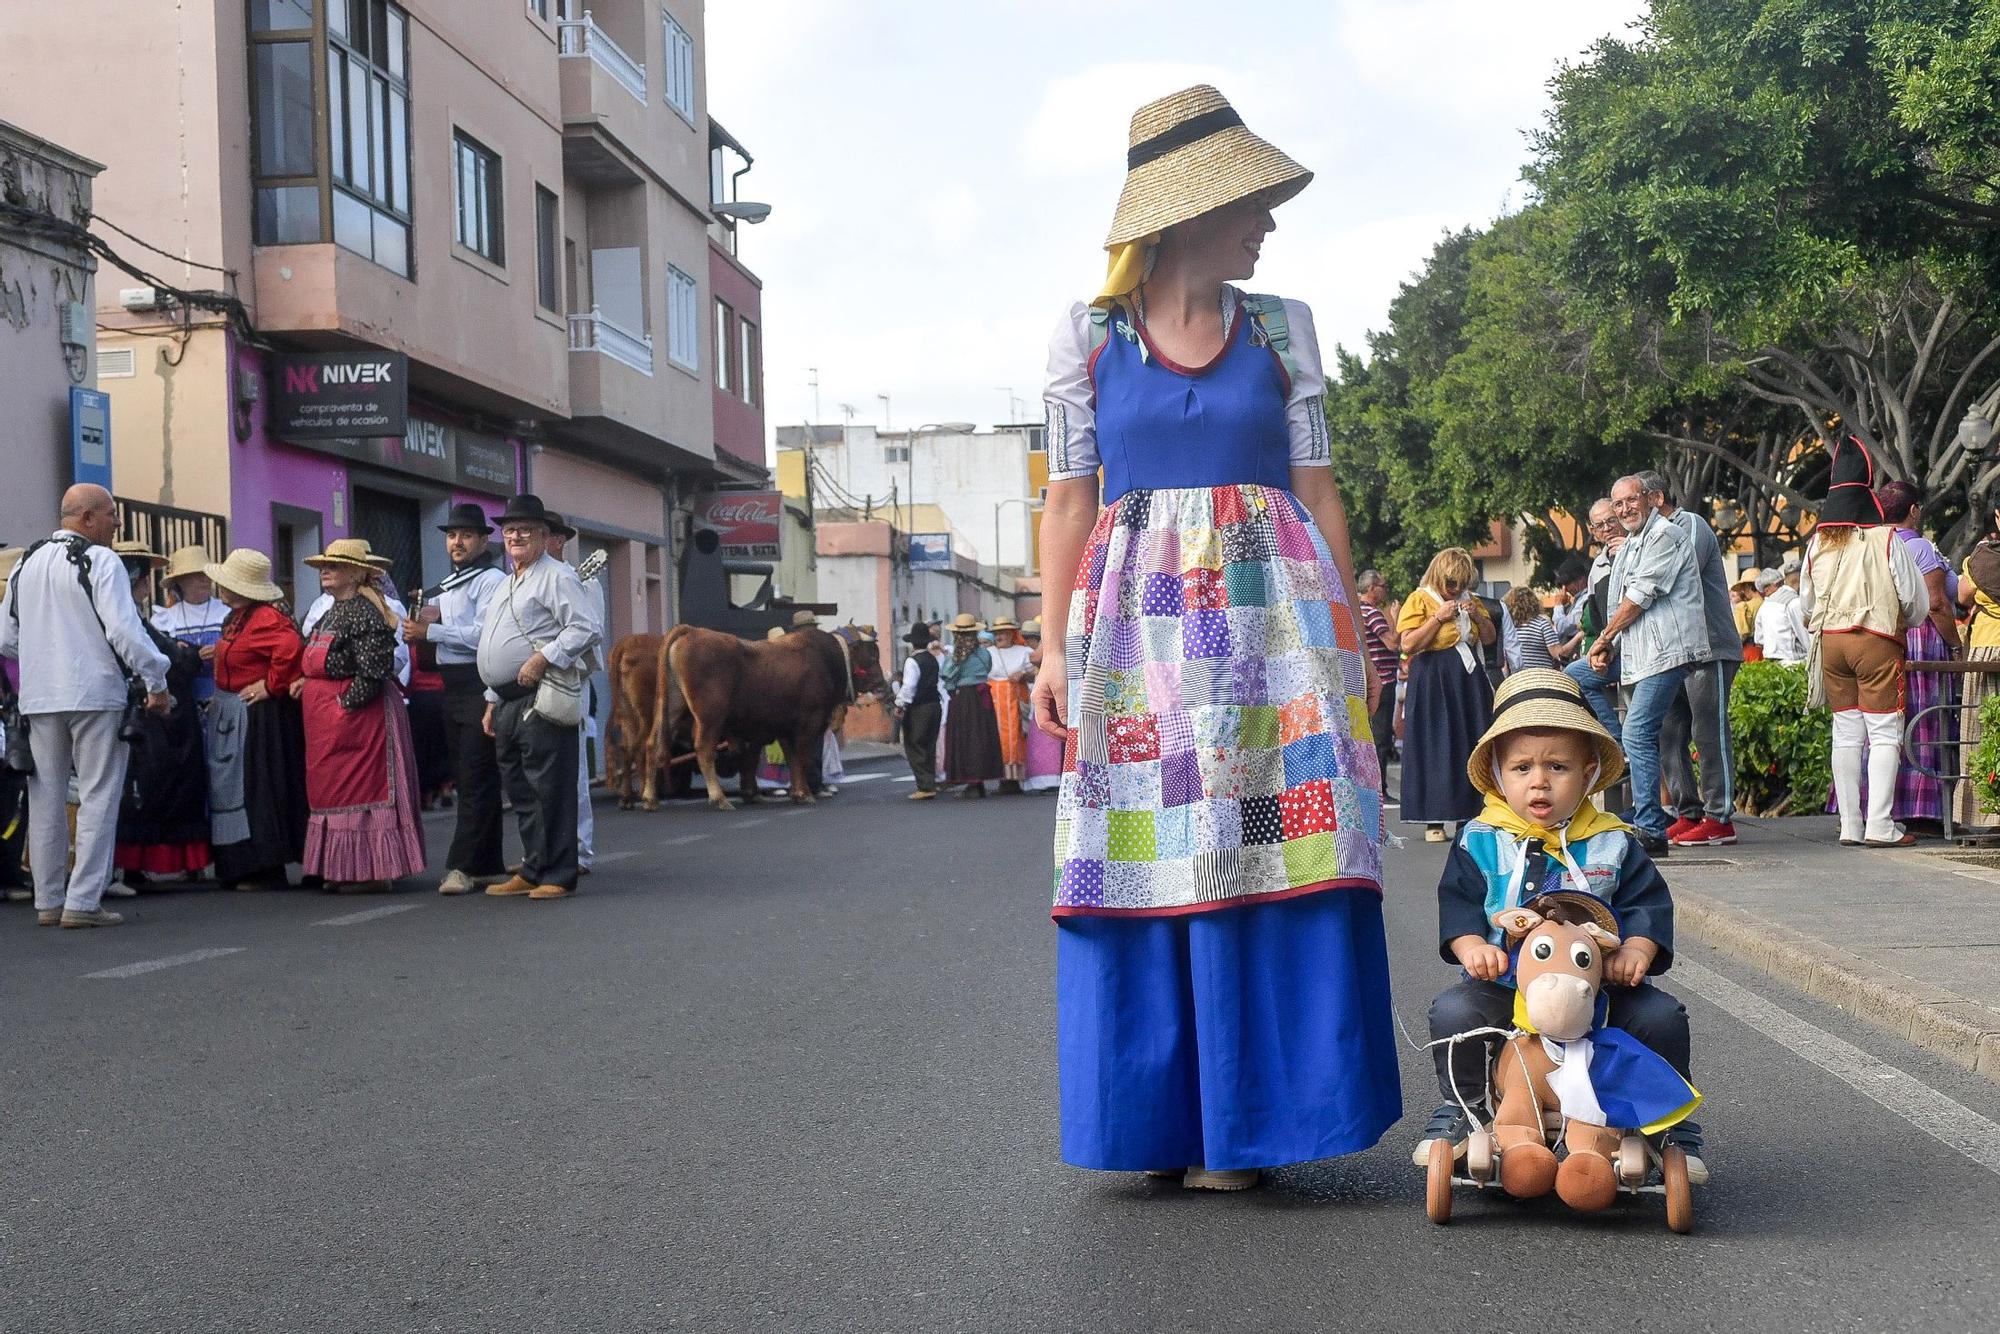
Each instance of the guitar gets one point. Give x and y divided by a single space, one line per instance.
593 565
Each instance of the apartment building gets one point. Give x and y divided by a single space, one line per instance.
515 195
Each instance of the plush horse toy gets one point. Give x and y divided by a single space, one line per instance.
1603 1081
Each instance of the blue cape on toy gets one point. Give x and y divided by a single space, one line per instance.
1610 1078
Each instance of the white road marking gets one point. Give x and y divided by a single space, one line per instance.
867 778
907 778
1949 1122
613 857
684 838
368 914
171 961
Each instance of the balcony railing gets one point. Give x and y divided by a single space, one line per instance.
594 333
582 37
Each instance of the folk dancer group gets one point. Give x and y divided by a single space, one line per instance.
221 734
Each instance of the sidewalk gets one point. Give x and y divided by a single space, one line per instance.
1908 940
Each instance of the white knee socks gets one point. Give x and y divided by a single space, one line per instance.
1885 754
1850 732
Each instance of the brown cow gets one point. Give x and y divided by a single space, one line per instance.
785 690
635 675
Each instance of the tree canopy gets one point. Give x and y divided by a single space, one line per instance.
1755 225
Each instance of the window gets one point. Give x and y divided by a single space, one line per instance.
748 369
683 320
548 228
722 341
896 453
281 15
368 129
539 8
680 67
282 101
477 169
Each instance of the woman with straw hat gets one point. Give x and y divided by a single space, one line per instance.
194 615
1222 976
163 817
972 754
1009 677
361 769
256 742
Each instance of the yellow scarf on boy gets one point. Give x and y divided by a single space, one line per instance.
1586 823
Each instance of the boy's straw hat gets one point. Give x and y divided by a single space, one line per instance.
1539 697
1189 153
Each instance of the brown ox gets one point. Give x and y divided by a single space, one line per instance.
635 676
786 690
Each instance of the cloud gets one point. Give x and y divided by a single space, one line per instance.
1080 126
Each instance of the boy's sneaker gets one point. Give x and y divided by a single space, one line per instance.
1679 828
1449 1123
1687 1134
1704 834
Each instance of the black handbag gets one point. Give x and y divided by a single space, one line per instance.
20 755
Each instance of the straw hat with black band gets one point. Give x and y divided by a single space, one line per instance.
1189 153
184 561
138 551
1536 698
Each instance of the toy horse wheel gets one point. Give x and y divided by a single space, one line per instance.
1437 1195
1480 1162
1680 1198
1632 1161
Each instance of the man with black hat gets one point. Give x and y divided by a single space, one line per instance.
450 621
920 705
540 621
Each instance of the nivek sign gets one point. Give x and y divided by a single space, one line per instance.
317 395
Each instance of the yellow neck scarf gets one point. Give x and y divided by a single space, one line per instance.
1587 822
1127 269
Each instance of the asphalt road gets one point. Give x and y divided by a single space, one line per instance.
793 1069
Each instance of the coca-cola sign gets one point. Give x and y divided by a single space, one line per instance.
749 523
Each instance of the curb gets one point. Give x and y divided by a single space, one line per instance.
1940 1021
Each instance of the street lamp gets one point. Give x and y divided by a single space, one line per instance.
1975 434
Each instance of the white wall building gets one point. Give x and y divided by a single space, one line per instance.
981 479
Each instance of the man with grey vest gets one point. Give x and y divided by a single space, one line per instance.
71 622
540 619
1704 807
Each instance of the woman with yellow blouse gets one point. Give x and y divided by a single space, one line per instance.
1982 644
1449 701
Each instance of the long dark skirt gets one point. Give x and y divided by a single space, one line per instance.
163 819
427 734
1444 713
274 791
972 738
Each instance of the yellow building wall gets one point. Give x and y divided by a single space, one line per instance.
170 431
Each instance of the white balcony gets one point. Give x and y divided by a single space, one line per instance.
595 333
582 38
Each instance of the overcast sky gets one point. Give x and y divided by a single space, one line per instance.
942 175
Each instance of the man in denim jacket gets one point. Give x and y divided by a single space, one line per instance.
1659 632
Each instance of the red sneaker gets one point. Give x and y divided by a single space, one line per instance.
1679 829
1705 834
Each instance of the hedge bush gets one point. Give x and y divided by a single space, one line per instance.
1983 764
1783 749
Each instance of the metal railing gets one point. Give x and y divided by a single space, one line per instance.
1953 746
583 38
166 529
593 332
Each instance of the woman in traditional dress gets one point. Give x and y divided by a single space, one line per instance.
1860 593
256 743
194 615
1010 677
1222 978
361 770
1450 699
971 736
1933 639
1979 593
163 816
1045 753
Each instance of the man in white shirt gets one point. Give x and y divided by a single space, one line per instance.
920 704
560 532
450 621
71 621
1781 627
540 619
